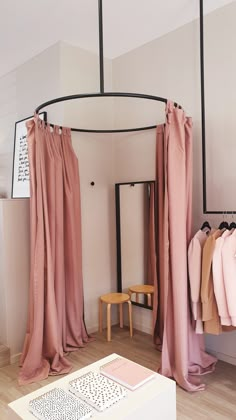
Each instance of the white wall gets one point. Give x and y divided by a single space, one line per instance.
21 91
169 67
8 116
14 272
3 327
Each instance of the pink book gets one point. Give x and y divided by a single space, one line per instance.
127 373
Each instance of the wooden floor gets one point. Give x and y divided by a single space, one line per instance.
217 402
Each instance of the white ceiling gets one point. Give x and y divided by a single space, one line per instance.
27 27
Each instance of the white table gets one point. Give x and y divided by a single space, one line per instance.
155 400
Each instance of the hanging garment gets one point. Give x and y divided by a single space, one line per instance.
209 307
229 273
55 320
218 279
195 275
182 350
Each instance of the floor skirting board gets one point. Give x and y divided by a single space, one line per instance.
15 358
91 329
136 325
140 327
222 356
4 355
143 328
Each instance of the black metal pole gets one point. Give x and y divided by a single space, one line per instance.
101 58
118 239
203 108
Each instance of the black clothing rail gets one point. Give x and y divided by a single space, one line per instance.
203 120
203 104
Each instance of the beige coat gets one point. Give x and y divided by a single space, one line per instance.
209 307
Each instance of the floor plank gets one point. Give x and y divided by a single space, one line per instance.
217 402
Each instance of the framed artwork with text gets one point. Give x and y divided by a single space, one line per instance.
20 172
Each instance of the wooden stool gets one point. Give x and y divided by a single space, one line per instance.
144 289
118 299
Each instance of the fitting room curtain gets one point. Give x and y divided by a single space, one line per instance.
183 355
55 319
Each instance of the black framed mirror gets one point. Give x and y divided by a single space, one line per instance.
135 213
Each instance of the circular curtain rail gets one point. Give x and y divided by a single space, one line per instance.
102 93
105 94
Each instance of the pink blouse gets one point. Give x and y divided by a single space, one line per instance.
218 279
229 273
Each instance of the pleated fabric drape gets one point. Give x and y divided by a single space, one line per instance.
183 355
55 318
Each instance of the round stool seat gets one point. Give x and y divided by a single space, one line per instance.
115 298
142 288
110 299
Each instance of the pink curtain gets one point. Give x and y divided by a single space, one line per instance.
183 355
55 319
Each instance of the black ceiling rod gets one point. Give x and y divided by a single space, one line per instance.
201 21
101 56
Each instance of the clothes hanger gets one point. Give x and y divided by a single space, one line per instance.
224 224
232 224
206 224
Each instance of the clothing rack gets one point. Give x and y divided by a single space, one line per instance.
102 93
204 175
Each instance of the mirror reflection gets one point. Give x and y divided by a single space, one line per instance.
136 256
